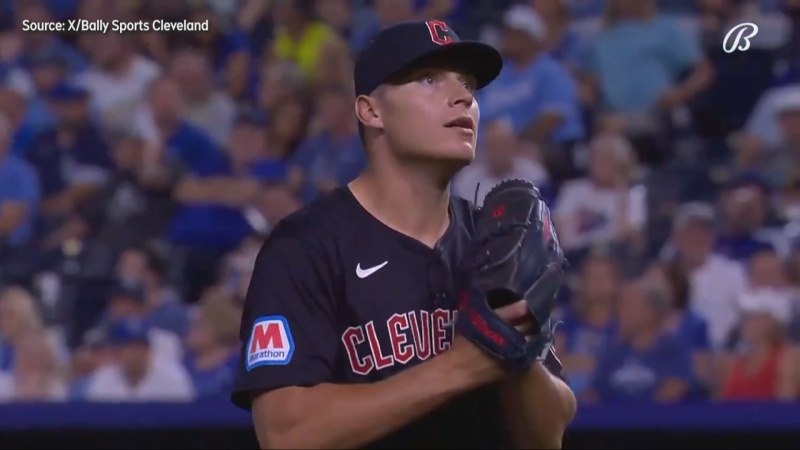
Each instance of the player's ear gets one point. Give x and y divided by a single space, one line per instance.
367 111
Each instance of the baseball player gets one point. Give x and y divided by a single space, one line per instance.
389 314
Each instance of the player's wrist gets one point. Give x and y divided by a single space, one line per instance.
469 367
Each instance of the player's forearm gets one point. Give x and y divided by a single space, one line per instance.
351 416
540 406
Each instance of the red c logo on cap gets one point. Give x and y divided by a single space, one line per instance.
440 34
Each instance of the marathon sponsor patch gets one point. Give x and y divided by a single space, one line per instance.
270 343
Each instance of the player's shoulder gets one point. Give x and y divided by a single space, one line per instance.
316 221
315 231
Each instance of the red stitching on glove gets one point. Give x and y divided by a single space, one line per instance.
481 325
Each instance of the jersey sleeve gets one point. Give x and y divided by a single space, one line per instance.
288 330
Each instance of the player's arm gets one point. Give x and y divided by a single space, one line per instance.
540 405
294 404
351 416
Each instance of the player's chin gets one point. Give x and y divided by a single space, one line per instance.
458 151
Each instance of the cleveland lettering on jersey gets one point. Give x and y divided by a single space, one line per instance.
411 336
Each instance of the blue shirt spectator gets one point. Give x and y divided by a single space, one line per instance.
328 160
192 147
532 85
212 354
334 156
635 61
214 217
643 363
583 339
627 374
213 381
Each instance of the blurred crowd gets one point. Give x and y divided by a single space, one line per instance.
140 172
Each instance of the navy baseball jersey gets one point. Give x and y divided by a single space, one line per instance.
339 297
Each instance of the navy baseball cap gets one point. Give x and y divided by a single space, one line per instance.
410 44
66 91
128 331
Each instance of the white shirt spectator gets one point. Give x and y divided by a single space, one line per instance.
716 287
166 345
763 120
117 99
214 115
587 215
477 173
164 381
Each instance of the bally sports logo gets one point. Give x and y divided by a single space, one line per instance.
270 343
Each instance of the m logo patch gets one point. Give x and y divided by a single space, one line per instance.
270 343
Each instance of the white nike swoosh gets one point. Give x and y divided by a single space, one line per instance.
364 273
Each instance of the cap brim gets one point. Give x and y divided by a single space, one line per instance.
481 61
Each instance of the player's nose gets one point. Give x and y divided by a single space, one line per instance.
460 94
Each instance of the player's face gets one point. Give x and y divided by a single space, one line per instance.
431 115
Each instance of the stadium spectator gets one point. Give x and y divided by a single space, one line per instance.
682 322
642 363
503 159
238 269
117 81
299 37
127 301
93 354
36 376
130 209
19 196
280 81
763 129
16 91
213 346
227 48
762 367
48 69
216 200
136 375
715 281
337 14
626 80
333 156
744 203
205 107
561 42
72 161
590 320
289 124
19 316
533 92
176 141
383 14
606 207
163 307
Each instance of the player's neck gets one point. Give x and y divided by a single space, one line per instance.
407 202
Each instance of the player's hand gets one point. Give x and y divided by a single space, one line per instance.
469 360
477 363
